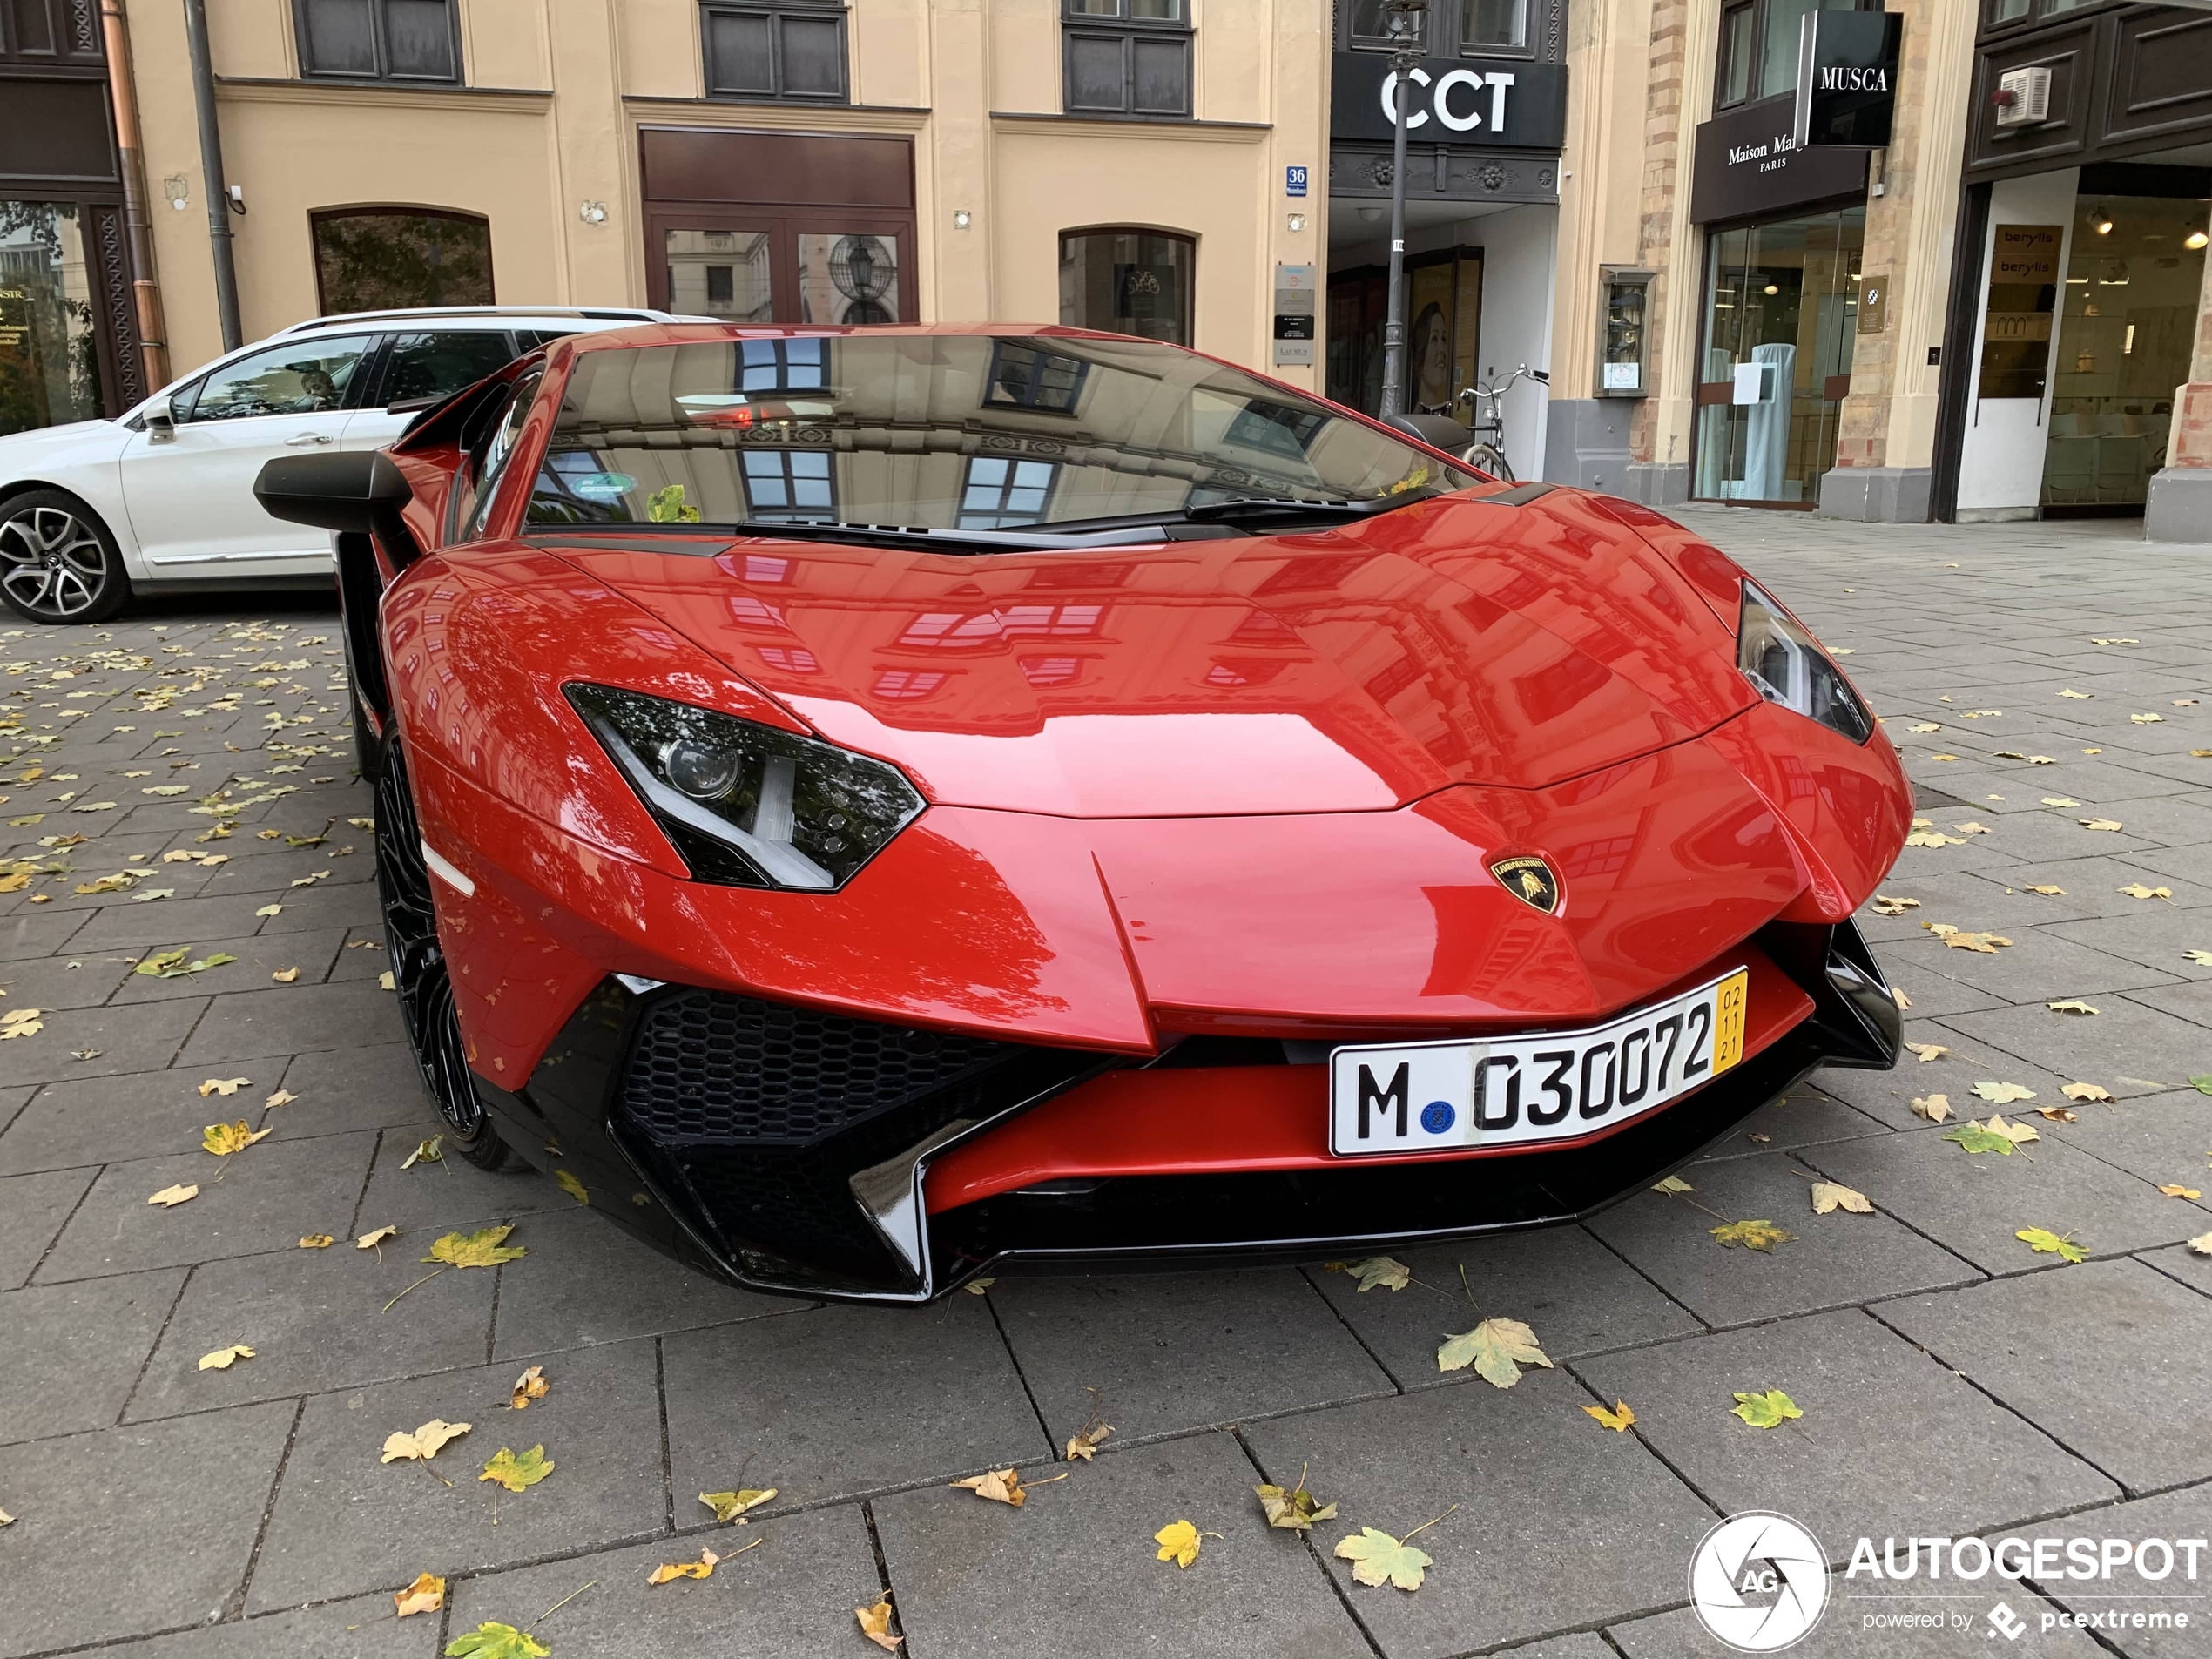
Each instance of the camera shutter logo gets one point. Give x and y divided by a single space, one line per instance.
1758 1582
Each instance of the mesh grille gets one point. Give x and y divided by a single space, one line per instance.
715 1067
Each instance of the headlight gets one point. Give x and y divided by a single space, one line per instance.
747 805
1789 667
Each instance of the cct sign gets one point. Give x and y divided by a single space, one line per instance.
1496 102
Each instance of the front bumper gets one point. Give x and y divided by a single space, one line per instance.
789 1150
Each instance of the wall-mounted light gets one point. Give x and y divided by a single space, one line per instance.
592 213
2101 223
1771 288
2195 239
1296 222
177 188
962 218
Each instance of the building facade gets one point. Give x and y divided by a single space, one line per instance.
1117 164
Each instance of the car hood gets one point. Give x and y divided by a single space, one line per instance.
16 447
1453 641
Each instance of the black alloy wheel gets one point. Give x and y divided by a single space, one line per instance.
57 562
419 972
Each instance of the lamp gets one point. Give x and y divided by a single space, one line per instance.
2102 222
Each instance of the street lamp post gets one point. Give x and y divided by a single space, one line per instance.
1404 19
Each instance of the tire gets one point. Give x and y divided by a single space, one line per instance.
1491 460
420 976
58 564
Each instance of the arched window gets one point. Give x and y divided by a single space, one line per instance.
1129 282
375 259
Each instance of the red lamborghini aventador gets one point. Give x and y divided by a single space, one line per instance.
870 805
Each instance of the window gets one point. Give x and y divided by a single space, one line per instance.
437 365
1494 25
1127 57
1758 47
847 280
788 484
482 476
792 51
1470 28
781 365
381 259
303 377
1369 24
2003 11
722 274
378 40
49 364
1000 494
1024 377
1128 283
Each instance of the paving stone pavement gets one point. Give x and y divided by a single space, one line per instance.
1953 1381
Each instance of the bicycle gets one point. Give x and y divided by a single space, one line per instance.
1488 430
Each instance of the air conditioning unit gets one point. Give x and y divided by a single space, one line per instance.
2024 97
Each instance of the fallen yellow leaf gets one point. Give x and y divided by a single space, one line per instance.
1829 1196
518 1471
2137 890
1178 1542
372 1239
1084 1443
1934 1107
2087 1091
1000 1486
484 1248
170 1197
875 1625
285 975
570 1186
2070 1005
221 1358
423 1443
2048 892
225 1140
2177 1190
669 1572
426 1594
1885 906
531 1386
1620 1419
317 1241
223 1086
732 1505
1924 1052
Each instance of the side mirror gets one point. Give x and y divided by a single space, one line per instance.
357 492
160 421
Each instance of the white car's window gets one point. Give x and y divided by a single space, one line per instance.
301 377
437 365
483 468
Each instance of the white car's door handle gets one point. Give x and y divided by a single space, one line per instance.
307 437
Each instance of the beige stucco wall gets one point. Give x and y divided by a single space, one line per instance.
555 92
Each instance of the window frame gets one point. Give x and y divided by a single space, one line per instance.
318 217
1190 241
776 12
1443 33
1126 32
382 75
1754 48
484 463
185 401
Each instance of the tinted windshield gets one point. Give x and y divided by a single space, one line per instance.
946 431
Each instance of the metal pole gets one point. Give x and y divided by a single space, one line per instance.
1405 23
153 350
211 169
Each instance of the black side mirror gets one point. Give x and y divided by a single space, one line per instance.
354 491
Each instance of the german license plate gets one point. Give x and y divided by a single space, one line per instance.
1506 1091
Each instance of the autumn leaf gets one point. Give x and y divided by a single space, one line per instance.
1620 1419
1178 1542
669 1572
2044 1242
1000 1486
424 1443
2203 1085
1924 726
1829 1196
2201 1244
485 1247
875 1625
1378 1559
222 1357
426 1594
517 1472
2087 1091
1387 1272
270 910
429 1151
371 1240
2048 892
2174 1189
21 1022
2100 824
531 1386
225 1140
2059 800
2002 1094
973 1287
2145 718
1885 906
2137 890
570 1186
1084 1442
1934 838
285 975
1924 1052
317 1241
1672 1183
223 1086
1768 1410
1295 1510
492 1640
1496 1348
732 1505
2201 958
282 1098
1761 1236
170 1197
2058 1114
2070 1005
1935 1108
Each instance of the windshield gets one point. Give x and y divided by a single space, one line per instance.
947 433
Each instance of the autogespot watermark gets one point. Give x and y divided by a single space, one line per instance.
1760 1582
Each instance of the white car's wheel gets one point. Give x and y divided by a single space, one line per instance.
57 562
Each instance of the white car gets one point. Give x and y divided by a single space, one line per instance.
163 497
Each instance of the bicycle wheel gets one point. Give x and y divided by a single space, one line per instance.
1490 459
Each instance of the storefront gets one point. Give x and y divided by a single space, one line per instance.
1780 295
2079 288
68 347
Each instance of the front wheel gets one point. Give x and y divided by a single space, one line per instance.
419 973
57 562
1490 459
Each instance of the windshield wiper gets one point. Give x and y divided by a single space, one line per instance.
1141 529
1254 510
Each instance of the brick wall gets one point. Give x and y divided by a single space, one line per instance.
1662 179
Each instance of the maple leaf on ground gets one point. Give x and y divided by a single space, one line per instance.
317 1241
2100 824
21 1022
1000 1486
1760 1235
875 1625
517 1472
282 1098
570 1185
1378 1559
2070 1005
2058 1114
669 1572
2087 1091
2201 958
221 1358
1768 1410
2137 890
484 1248
977 1286
1935 1108
1975 1137
225 1140
2175 1189
426 1594
2201 1244
732 1505
2047 890
1387 1272
223 1086
531 1386
1295 1510
1178 1542
1084 1442
2002 1094
429 1151
2044 1242
1885 906
285 975
425 1442
1672 1183
492 1640
1620 1419
1924 1052
1829 1196
371 1240
170 1197
1496 1348
2203 1085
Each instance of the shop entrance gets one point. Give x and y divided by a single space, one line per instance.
1781 307
1443 326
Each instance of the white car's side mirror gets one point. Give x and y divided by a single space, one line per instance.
160 420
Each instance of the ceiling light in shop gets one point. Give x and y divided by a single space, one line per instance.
2102 223
2195 239
1771 288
